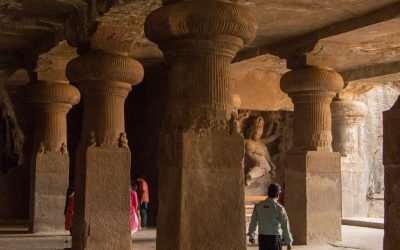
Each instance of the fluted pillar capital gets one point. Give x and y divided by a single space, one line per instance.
210 26
44 92
52 101
199 40
105 81
346 114
348 111
312 90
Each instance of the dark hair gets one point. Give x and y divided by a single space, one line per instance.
134 185
274 190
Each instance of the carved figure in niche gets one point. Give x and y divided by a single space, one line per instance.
123 140
42 148
92 139
64 148
258 162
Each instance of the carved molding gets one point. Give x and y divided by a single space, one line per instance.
105 81
51 102
198 19
311 79
44 92
99 65
312 90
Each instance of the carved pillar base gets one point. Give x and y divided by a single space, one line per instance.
312 182
49 180
101 220
391 161
201 177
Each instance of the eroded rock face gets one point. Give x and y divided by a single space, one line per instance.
260 90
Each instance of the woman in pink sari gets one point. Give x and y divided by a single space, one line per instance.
135 222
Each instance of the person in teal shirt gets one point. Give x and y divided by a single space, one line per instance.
272 221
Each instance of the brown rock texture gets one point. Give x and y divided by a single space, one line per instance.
101 216
49 163
200 161
347 117
312 170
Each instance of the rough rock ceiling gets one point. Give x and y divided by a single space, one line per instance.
282 19
29 27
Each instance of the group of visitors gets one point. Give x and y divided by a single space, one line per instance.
139 193
139 201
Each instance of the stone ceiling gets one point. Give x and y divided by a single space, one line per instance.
352 33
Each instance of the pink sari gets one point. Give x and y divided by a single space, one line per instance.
135 223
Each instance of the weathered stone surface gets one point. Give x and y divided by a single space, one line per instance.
312 90
201 162
49 182
260 90
200 170
391 160
50 163
101 217
312 196
312 170
51 101
347 116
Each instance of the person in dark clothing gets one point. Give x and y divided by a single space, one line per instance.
272 221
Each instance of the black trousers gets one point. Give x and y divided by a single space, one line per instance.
269 242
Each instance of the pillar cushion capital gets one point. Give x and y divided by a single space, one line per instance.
311 79
42 92
348 109
200 20
102 66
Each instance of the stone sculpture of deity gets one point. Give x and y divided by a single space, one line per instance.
258 161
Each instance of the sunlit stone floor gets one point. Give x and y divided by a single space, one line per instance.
353 238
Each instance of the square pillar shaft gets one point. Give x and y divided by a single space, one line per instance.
312 197
391 161
204 181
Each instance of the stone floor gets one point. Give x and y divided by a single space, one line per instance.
363 238
353 238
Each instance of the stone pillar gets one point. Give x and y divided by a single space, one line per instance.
312 173
347 115
391 161
51 102
102 181
201 174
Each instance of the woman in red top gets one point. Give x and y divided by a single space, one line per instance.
69 209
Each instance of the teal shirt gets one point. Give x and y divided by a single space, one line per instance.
271 218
